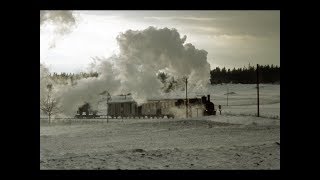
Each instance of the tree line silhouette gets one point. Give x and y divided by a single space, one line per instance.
246 75
66 78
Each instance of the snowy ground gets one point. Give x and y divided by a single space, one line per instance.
234 140
242 99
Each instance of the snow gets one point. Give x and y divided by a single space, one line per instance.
236 139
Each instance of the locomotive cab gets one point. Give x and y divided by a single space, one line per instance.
209 106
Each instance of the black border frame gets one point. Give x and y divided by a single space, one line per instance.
30 129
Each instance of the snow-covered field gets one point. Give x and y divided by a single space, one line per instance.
242 99
236 139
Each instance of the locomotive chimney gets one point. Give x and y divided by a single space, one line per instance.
204 99
208 98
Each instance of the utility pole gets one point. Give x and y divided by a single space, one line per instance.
227 95
186 97
107 109
258 89
108 98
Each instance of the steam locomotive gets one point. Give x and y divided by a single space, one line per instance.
153 108
85 111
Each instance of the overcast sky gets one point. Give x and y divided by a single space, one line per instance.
231 38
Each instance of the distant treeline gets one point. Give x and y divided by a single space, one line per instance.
66 78
245 75
80 75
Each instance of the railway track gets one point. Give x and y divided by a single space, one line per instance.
101 118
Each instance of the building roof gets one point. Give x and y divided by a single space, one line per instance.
128 98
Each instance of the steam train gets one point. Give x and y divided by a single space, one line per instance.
153 108
85 111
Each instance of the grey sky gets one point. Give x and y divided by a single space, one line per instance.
231 38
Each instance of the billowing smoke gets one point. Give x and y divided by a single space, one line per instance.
63 21
89 90
143 54
45 80
193 111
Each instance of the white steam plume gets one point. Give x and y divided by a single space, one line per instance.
88 90
64 22
145 53
142 55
